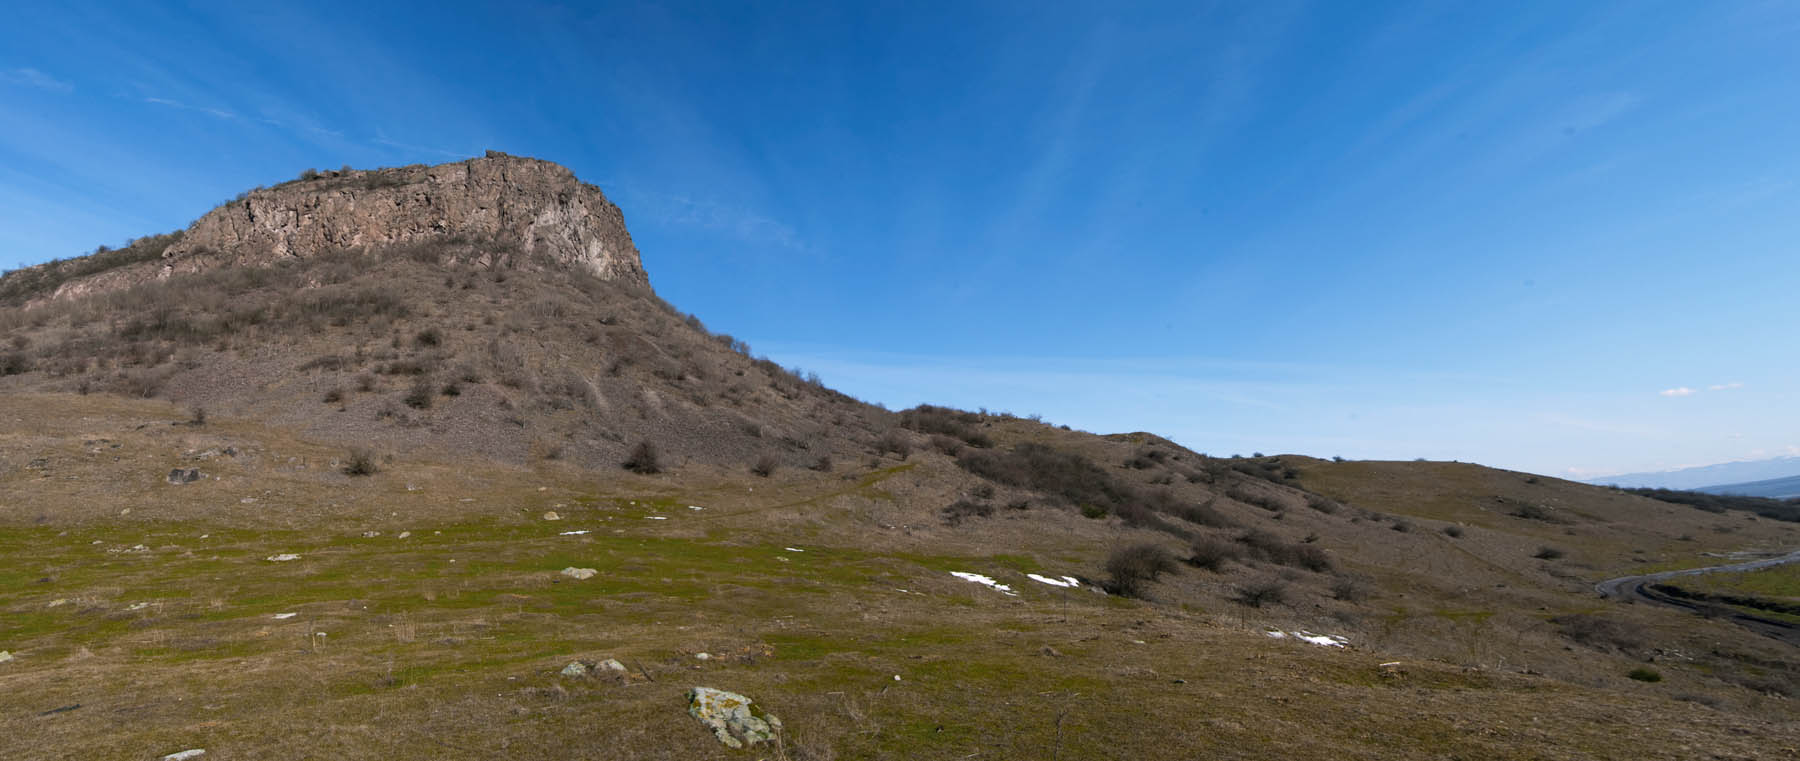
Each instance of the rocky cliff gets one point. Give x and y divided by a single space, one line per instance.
524 204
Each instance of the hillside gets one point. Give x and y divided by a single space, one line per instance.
318 477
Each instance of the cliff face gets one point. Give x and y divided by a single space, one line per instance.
536 206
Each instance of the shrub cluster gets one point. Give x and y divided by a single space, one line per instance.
1598 633
943 421
964 508
1268 546
1777 509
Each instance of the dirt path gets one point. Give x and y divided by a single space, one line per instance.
1643 588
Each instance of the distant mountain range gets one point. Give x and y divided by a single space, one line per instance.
1710 478
1774 488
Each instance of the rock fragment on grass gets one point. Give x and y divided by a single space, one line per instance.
5 656
185 755
283 557
730 718
575 670
579 574
181 476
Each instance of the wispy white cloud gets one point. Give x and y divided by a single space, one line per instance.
1677 391
1725 386
34 78
738 222
410 148
215 112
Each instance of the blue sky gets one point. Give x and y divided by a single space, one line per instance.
1495 232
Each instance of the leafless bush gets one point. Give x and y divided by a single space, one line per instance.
963 508
1598 633
1131 568
1261 594
361 462
643 459
1349 590
1212 554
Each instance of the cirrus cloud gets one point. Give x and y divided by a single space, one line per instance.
1677 391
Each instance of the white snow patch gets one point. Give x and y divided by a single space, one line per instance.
283 616
1322 640
655 518
695 507
573 533
283 557
186 755
986 581
1066 582
793 549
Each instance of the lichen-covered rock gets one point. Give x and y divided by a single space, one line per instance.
575 670
730 718
579 574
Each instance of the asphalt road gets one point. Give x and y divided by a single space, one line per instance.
1640 588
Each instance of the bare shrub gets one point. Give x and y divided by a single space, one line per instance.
1598 633
823 464
1265 545
420 395
1349 590
643 459
1261 594
894 442
361 462
1547 552
956 424
1212 554
764 466
1131 568
963 508
947 445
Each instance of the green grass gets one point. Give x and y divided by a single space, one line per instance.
1781 582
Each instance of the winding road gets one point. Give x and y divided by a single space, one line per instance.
1642 588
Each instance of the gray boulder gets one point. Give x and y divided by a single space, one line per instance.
181 476
730 717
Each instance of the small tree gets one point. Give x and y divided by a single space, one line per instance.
643 459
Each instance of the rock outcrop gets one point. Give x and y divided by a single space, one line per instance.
523 205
